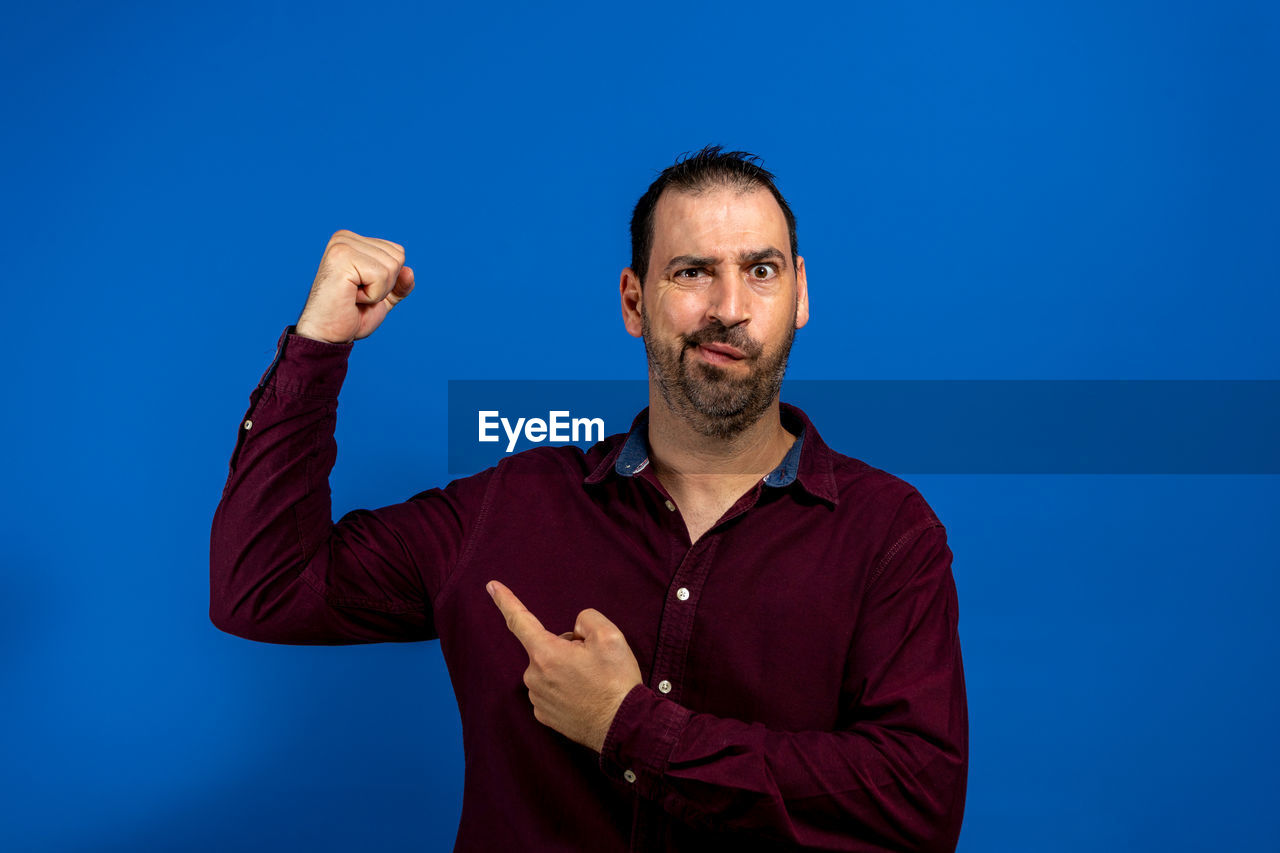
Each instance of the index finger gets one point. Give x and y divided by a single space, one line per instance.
520 621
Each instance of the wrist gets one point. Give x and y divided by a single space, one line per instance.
305 367
303 329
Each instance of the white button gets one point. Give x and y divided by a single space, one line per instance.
248 424
629 776
664 686
671 506
682 594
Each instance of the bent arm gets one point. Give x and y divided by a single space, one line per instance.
894 778
280 570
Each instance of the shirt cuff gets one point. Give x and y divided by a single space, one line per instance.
308 368
640 739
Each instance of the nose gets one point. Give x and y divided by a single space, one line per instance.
728 301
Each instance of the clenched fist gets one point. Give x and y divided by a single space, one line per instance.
360 279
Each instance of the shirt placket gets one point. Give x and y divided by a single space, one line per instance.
675 631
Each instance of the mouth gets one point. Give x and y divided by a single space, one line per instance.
720 353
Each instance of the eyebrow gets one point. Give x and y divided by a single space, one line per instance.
769 254
755 257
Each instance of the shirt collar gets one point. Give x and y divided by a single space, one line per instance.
808 462
634 455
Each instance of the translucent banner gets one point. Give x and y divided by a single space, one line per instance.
926 426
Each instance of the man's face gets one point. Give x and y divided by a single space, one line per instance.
721 305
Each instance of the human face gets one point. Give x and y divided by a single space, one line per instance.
720 309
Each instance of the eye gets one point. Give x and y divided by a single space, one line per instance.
763 272
690 272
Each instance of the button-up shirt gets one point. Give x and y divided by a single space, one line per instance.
803 685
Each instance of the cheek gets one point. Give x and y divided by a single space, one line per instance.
672 313
775 336
685 311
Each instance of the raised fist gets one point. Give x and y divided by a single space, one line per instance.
360 279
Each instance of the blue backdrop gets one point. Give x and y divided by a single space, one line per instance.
1062 190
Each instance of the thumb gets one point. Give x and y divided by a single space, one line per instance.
591 623
402 288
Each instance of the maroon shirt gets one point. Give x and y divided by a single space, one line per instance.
803 684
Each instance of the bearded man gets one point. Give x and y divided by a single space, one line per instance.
727 635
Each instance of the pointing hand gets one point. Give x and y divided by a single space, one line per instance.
576 680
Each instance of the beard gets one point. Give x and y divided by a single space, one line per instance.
715 401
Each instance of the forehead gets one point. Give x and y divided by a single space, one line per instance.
716 220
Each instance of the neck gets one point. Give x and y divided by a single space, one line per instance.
686 457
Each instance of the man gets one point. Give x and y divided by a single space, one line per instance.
722 634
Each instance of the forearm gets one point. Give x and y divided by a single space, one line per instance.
866 789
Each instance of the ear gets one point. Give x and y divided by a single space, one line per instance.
802 295
632 293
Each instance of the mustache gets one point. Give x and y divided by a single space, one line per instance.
716 333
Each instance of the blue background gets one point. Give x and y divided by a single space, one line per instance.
1065 190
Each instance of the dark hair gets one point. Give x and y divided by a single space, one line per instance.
710 167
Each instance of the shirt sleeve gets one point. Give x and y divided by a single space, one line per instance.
281 571
893 779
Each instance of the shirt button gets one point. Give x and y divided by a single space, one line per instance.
664 686
671 506
629 776
682 593
248 424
